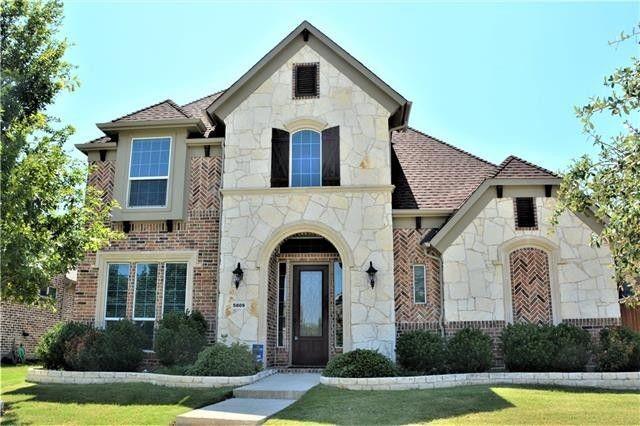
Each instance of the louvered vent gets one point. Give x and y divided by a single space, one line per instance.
306 81
525 212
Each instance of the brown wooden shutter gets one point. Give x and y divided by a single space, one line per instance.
279 158
331 156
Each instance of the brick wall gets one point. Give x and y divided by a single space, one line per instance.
199 231
530 285
16 318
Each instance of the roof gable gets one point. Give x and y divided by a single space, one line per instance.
165 110
306 33
517 168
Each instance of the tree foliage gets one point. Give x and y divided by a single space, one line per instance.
609 185
48 219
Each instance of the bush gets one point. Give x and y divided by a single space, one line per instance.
469 351
527 347
80 352
572 346
119 347
618 350
222 360
180 337
51 347
421 352
360 363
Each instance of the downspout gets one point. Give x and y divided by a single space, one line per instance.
426 246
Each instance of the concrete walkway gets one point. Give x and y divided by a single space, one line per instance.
253 404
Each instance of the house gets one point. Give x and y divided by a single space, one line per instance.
299 212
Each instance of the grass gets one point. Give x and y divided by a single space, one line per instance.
113 404
463 405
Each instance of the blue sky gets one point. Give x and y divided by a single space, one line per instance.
494 78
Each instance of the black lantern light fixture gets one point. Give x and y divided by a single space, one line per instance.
237 275
372 274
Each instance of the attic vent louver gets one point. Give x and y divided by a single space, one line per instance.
306 82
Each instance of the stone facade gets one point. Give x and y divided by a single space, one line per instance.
355 217
17 319
476 268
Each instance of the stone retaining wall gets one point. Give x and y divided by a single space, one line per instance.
39 375
600 380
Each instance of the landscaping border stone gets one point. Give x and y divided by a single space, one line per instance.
40 375
620 381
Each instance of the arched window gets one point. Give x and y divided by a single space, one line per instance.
306 158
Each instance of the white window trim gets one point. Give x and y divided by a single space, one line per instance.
188 287
104 258
291 157
135 289
106 289
129 178
424 282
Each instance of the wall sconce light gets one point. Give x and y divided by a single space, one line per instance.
237 275
372 274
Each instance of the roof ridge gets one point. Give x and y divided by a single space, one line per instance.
178 108
512 157
202 98
148 107
453 146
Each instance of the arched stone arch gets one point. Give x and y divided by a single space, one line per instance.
272 242
534 248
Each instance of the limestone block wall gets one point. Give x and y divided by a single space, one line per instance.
358 224
474 275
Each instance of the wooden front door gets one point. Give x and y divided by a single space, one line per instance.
310 346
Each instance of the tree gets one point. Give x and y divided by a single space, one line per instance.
49 220
609 184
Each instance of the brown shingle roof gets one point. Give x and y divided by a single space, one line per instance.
197 109
429 173
517 168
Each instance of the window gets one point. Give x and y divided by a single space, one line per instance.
144 302
282 282
175 287
419 284
50 292
525 213
117 285
306 80
337 297
149 172
306 159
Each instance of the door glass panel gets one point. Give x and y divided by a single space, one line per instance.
310 303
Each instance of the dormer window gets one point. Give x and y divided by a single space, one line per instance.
149 172
306 158
306 80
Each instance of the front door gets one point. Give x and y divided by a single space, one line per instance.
310 326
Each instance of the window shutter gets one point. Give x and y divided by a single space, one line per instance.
331 156
525 213
279 158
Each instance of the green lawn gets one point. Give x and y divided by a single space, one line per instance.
131 403
464 405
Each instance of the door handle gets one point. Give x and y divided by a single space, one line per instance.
295 337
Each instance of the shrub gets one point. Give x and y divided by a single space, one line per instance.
360 363
180 337
80 352
618 350
527 347
222 360
119 347
469 351
51 347
572 347
421 352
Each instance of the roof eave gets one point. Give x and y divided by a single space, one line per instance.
85 148
190 123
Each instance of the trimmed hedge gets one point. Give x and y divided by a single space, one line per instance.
469 351
120 347
360 363
51 347
572 348
222 360
421 352
618 350
180 337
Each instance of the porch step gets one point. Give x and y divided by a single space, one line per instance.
234 411
253 404
279 386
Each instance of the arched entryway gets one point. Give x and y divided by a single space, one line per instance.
304 319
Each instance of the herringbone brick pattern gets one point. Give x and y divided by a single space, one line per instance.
102 176
205 174
530 288
407 251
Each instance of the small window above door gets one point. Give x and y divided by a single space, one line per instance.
306 80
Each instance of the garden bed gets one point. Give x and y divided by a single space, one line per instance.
40 375
630 381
